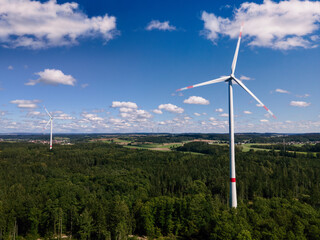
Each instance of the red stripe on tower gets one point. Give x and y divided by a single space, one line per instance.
190 87
266 108
240 34
232 179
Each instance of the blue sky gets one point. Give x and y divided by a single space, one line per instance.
114 66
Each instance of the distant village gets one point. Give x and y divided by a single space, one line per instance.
56 140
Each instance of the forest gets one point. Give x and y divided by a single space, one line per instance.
105 191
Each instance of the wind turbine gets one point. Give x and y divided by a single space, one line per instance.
229 79
50 121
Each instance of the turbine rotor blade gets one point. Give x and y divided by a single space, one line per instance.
257 99
47 112
235 57
221 79
47 124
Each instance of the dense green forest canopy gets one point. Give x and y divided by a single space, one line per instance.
105 191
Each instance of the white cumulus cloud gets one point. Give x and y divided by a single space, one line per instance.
117 104
116 120
25 103
171 108
278 25
303 96
196 100
52 77
33 114
142 114
282 91
224 115
299 104
32 24
91 117
63 116
219 110
264 120
247 112
157 111
245 78
197 114
164 26
126 109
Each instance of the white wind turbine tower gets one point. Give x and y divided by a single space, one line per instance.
50 121
229 79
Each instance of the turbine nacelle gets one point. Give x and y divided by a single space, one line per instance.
232 76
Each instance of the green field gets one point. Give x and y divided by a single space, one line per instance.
117 140
154 146
247 147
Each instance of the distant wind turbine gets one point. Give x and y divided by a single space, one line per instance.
229 79
50 121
